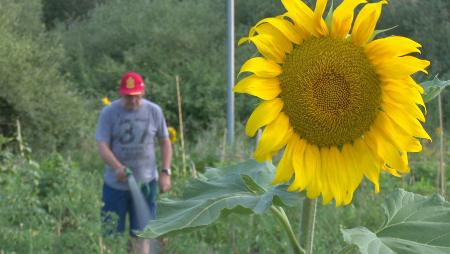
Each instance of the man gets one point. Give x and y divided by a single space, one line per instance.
126 132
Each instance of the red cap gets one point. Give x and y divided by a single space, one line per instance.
131 84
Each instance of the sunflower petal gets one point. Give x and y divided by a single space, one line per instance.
353 172
280 145
320 8
367 162
285 168
336 176
390 170
401 67
365 23
262 67
386 151
273 34
299 26
405 158
264 88
263 115
343 18
285 27
243 40
397 136
273 136
327 194
391 47
411 82
298 162
397 89
312 161
302 15
390 100
297 6
318 17
306 159
411 125
266 47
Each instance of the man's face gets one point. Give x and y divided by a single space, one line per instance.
132 102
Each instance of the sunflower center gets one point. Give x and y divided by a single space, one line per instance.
331 97
330 90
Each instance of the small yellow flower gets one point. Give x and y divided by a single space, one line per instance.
172 134
106 101
438 131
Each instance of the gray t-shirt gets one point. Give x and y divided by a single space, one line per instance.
131 135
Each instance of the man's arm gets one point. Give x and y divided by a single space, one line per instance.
109 158
166 153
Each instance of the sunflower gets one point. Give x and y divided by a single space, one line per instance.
172 134
342 104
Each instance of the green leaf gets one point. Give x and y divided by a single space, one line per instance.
377 32
329 17
433 88
4 140
414 224
242 188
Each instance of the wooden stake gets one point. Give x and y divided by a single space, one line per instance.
441 173
193 170
19 138
100 244
180 120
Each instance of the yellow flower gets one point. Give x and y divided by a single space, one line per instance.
438 131
343 105
106 101
172 134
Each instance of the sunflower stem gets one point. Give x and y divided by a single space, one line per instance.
308 222
348 249
281 215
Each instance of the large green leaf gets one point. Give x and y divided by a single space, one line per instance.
414 224
242 188
433 88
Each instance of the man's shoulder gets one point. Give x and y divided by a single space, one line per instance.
152 106
114 106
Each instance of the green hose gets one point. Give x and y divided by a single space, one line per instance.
128 172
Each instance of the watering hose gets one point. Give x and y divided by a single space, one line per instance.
139 201
128 172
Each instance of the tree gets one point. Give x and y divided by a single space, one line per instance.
34 91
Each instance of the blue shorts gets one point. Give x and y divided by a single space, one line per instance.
120 203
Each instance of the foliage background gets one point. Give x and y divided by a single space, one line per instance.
59 58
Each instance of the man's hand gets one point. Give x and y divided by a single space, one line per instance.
120 174
165 183
109 158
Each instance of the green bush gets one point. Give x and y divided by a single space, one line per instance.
64 11
34 91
